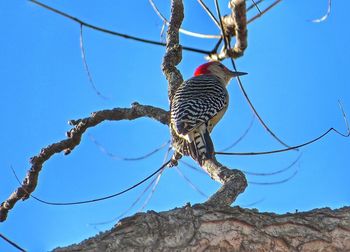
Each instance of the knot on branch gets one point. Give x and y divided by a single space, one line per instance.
234 25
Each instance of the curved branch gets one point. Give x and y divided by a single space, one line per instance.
186 32
233 181
234 25
73 139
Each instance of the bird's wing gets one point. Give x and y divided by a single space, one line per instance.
196 101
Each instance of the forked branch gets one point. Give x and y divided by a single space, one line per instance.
73 139
233 181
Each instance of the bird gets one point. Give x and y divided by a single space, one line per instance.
198 104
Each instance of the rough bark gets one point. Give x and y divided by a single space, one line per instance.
204 228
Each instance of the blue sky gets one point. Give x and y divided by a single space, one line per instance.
297 72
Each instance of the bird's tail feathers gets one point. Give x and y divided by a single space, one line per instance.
201 146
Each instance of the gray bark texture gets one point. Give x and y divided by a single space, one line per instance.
205 228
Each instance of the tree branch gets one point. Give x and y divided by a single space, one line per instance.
74 137
202 228
234 181
114 33
173 54
264 11
234 25
189 33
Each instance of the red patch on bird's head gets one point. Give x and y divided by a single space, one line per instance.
203 69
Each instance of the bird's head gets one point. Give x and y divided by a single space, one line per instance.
217 69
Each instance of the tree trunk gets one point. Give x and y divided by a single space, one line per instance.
204 228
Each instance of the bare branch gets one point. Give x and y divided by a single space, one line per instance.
252 6
325 16
210 14
86 66
242 136
200 170
114 33
240 84
186 32
156 179
116 157
74 137
193 186
256 6
235 24
253 203
237 17
12 243
275 182
295 147
274 172
264 11
233 183
173 55
150 195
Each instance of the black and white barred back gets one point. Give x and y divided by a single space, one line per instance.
198 104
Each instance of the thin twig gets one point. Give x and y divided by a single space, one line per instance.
194 187
12 243
201 170
325 16
264 11
113 32
260 174
86 66
130 207
256 5
239 82
210 14
241 36
96 199
274 182
162 32
150 195
253 203
226 39
242 136
252 6
275 172
286 149
154 182
116 157
189 33
248 172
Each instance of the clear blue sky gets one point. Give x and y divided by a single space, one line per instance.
297 72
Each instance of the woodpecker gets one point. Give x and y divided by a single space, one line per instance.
197 106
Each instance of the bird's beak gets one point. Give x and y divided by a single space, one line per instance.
235 74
